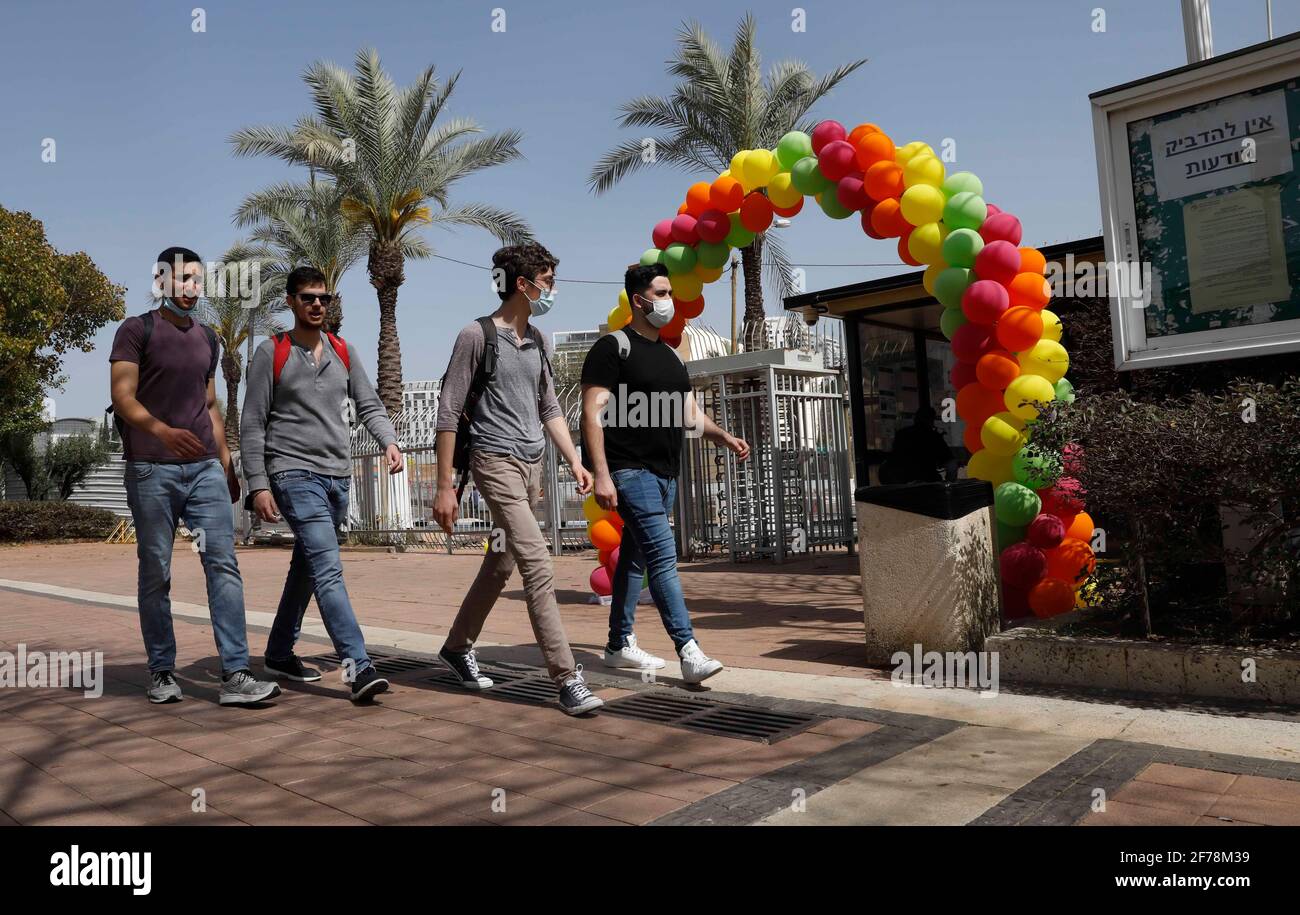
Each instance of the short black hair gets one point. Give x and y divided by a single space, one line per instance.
638 279
527 260
167 257
303 276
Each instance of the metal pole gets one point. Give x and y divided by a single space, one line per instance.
735 262
1196 30
1268 7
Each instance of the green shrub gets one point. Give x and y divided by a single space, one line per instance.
21 522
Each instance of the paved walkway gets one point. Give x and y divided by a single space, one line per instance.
860 749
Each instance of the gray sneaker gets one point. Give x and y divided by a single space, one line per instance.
163 688
575 698
240 688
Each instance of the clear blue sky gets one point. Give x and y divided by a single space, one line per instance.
142 107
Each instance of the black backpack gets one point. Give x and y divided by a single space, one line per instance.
147 320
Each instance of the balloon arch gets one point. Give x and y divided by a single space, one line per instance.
1009 359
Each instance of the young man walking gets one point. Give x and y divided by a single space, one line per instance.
500 378
636 403
162 367
304 387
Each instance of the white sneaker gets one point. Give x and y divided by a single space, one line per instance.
696 665
632 657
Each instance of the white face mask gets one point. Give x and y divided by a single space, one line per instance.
662 311
544 301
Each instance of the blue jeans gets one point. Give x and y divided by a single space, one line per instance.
645 502
159 496
315 505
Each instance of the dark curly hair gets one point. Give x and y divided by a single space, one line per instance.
528 261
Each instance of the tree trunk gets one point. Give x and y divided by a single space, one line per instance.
334 315
386 275
751 258
230 368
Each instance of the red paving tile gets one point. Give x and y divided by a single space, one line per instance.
1163 794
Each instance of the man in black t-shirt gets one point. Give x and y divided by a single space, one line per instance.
636 405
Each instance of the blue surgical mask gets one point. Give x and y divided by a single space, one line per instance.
175 309
542 304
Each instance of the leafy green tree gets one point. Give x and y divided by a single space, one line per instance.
49 303
56 469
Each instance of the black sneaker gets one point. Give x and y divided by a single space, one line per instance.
367 685
575 698
291 668
464 665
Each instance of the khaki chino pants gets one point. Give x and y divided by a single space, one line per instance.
511 487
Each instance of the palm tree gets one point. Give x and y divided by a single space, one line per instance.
383 147
233 316
304 224
721 105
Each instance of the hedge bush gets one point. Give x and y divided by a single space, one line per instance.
21 522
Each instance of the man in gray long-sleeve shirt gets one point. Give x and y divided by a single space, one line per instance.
303 389
505 458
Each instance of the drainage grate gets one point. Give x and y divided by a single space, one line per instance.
384 663
507 684
445 677
709 717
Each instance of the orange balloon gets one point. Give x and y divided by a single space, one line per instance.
997 369
887 219
691 310
681 209
603 534
1051 597
1032 261
862 130
883 180
1082 528
1019 328
726 194
1031 290
698 197
1072 561
872 148
976 403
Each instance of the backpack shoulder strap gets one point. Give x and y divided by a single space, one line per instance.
488 367
624 345
341 348
282 347
215 345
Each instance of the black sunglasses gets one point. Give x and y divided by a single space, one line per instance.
307 298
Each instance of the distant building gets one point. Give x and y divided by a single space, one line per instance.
420 404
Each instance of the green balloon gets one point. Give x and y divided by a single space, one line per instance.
831 206
959 182
651 257
965 210
951 283
712 255
739 236
950 320
793 146
1016 504
961 246
679 258
807 178
1036 471
1008 534
1064 391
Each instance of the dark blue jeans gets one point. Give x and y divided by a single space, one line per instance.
645 502
315 505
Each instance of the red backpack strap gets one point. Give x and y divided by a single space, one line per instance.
340 347
282 348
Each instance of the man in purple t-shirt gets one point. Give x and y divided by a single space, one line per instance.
178 466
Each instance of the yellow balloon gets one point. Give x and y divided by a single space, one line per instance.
1052 327
1003 434
707 274
985 465
1047 358
619 315
904 154
687 287
782 192
760 167
926 242
622 299
931 274
737 169
922 203
591 509
922 169
1023 391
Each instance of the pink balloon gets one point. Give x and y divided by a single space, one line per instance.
663 233
684 229
1023 565
1045 532
993 209
984 301
613 561
600 582
827 132
962 374
1002 227
852 193
998 261
970 341
713 226
837 159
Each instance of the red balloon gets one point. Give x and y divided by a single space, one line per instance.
713 226
998 261
972 340
663 233
827 132
1001 227
1015 603
962 374
1051 597
837 159
984 301
756 212
904 254
684 229
1023 565
611 562
852 194
600 582
789 211
1071 562
674 342
866 222
689 310
976 403
993 210
1045 532
970 436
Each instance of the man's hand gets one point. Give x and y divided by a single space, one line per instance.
606 494
232 482
393 454
738 446
181 442
583 478
265 506
445 508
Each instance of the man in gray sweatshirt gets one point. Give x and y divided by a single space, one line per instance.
304 388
